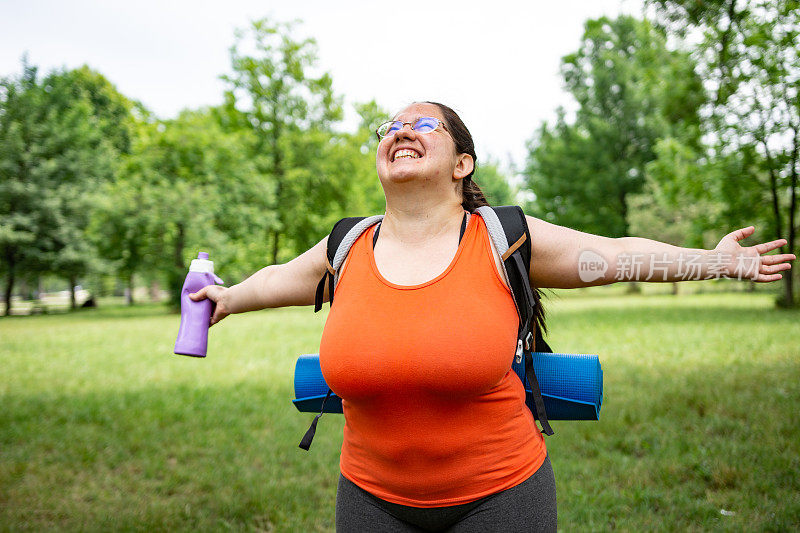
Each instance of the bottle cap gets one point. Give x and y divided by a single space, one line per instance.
202 264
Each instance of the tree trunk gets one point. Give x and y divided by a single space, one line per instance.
9 282
72 303
129 295
773 184
275 236
39 302
788 290
674 288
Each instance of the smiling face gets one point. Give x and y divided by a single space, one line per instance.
408 155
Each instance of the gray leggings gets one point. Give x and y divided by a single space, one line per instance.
529 506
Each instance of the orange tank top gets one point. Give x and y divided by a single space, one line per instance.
434 415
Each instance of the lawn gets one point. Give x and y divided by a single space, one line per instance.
103 428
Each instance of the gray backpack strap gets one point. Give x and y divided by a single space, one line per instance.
341 238
498 236
349 239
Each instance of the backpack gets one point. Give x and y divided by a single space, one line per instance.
508 230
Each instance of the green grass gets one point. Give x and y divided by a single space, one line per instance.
102 428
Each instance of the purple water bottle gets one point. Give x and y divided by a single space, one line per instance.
195 316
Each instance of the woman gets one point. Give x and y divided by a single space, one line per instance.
419 344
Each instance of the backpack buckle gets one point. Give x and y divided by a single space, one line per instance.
528 341
518 358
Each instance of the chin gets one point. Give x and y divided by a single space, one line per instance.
404 177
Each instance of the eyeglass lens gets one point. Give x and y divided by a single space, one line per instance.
422 125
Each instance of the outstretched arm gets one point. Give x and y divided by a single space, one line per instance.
292 283
565 258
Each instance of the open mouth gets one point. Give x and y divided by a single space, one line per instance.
405 154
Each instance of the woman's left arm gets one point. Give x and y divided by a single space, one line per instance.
565 258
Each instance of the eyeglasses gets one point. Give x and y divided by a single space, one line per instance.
422 125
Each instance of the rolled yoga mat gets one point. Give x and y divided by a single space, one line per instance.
571 385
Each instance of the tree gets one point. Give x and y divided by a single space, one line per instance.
631 91
53 152
106 125
750 58
19 192
290 112
124 222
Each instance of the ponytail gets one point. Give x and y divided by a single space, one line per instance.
471 195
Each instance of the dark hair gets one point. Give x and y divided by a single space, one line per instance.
471 195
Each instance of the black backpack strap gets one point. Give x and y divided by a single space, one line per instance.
516 260
518 257
338 233
515 227
305 442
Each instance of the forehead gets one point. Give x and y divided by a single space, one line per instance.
414 111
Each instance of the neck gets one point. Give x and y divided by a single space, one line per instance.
421 219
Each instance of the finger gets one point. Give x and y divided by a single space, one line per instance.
767 278
216 317
199 295
769 246
742 233
778 258
774 269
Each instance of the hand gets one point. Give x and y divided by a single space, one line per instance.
216 294
748 262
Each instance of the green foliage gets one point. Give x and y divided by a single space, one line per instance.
678 202
750 59
632 90
19 191
494 183
275 95
192 187
94 185
354 164
57 145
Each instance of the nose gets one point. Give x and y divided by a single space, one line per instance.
406 132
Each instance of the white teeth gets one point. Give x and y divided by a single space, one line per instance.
402 154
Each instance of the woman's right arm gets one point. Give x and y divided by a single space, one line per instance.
292 283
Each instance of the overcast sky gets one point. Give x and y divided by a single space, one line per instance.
495 62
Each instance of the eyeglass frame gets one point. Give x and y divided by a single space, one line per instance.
412 124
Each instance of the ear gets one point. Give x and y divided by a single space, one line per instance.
464 165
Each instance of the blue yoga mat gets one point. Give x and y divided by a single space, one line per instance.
571 385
